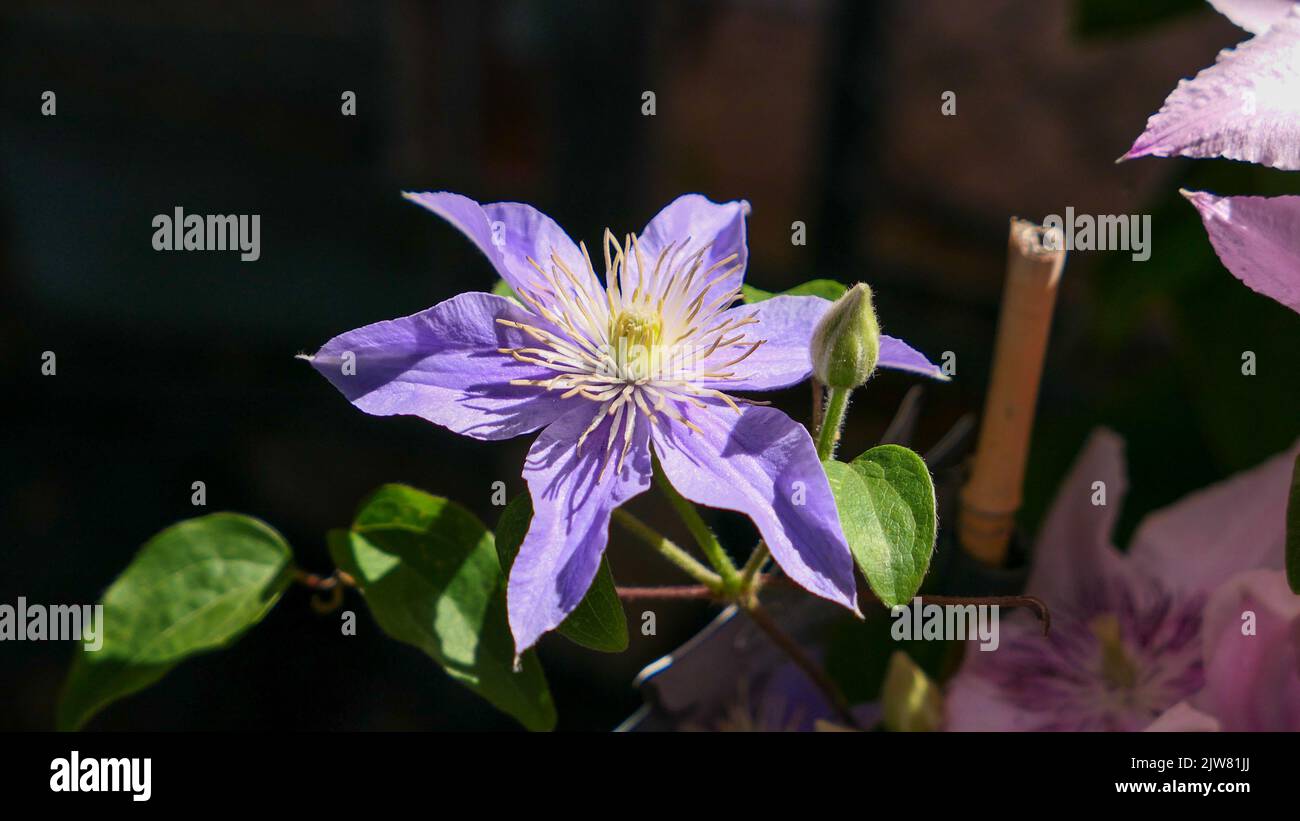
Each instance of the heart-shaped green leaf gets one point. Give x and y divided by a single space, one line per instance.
885 498
598 622
429 571
824 288
194 587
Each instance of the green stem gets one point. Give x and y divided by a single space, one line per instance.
753 565
668 549
832 421
713 550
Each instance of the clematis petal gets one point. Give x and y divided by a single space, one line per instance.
572 502
693 222
1184 718
1252 679
443 365
1255 16
509 234
977 699
1207 536
1257 239
1244 107
897 355
762 463
1074 543
785 324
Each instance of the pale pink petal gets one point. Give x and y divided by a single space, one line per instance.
1244 107
1255 16
1214 533
976 699
1251 636
1074 543
1257 239
1184 718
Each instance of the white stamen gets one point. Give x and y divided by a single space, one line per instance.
646 347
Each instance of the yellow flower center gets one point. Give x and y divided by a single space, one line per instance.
1116 666
635 327
635 334
642 345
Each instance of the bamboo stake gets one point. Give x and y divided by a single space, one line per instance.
992 494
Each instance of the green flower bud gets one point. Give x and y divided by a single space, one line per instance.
846 342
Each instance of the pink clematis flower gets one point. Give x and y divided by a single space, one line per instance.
648 358
1146 636
1257 239
1250 643
1244 107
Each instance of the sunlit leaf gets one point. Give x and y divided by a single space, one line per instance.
429 571
194 587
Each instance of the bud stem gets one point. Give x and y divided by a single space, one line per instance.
668 549
837 404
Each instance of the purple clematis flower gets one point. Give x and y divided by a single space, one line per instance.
647 360
1151 638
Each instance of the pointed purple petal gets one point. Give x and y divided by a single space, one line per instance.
1257 239
785 324
1244 107
509 234
693 222
897 355
763 464
1255 16
442 365
1207 536
572 502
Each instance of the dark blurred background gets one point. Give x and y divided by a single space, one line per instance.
178 367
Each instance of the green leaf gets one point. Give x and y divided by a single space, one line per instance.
502 288
428 569
885 499
824 288
1293 531
598 622
910 701
194 587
